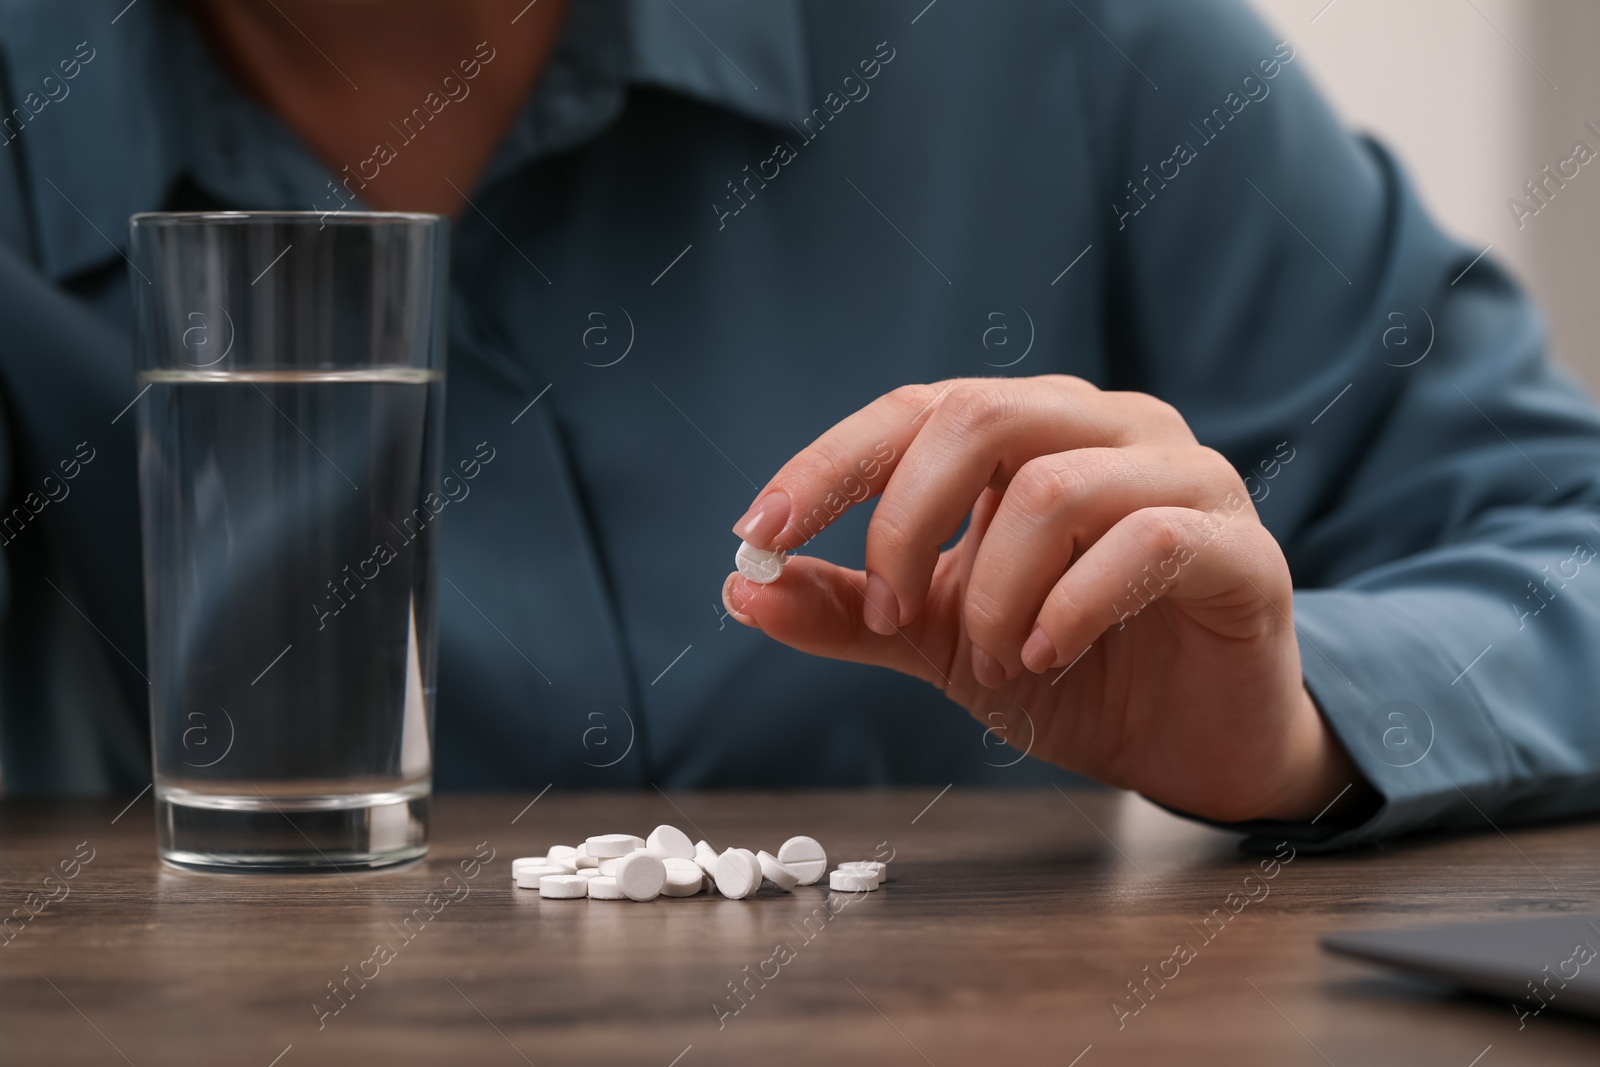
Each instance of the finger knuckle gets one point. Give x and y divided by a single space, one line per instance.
1162 411
983 615
1049 484
1157 531
890 531
1070 382
978 408
1218 471
1155 413
915 397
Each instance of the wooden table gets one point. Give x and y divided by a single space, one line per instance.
1012 924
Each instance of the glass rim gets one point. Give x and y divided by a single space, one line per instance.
157 218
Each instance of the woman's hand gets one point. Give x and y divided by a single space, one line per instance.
1115 596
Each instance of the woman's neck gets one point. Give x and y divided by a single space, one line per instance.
404 99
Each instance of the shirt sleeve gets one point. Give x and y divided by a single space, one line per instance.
1385 391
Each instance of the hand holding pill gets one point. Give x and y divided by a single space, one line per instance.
1114 606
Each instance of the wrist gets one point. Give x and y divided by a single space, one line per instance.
1321 782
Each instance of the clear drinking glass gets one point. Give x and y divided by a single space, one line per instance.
292 375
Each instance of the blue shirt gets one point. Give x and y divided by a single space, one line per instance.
715 229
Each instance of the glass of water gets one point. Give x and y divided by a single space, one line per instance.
292 375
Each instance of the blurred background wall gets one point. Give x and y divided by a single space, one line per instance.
1476 97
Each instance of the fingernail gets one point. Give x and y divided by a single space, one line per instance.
882 610
765 520
736 595
1039 653
987 669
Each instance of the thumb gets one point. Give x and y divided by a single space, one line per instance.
817 606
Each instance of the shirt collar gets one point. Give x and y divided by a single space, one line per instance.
151 105
98 146
748 57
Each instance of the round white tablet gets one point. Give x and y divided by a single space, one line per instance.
758 564
563 852
563 886
581 857
805 857
879 869
608 867
529 861
684 878
706 857
528 876
738 873
640 876
776 872
603 888
751 856
669 842
865 872
609 846
852 881
587 872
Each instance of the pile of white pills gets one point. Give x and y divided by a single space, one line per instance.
668 864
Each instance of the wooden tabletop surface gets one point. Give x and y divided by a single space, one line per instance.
1012 924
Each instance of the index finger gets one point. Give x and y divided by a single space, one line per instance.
848 464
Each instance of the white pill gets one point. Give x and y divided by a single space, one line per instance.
581 857
587 872
754 862
684 878
805 857
669 842
879 869
610 846
706 857
563 886
529 861
608 867
776 873
865 872
758 564
603 888
852 881
563 852
738 873
528 876
640 876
